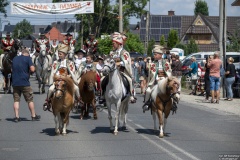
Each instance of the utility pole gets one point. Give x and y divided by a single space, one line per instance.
82 30
146 37
120 17
222 35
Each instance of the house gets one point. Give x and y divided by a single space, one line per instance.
236 3
203 29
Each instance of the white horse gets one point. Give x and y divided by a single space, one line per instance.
71 53
42 64
115 94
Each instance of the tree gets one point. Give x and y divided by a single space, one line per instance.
22 29
151 43
162 40
3 4
104 45
201 7
172 38
234 45
192 47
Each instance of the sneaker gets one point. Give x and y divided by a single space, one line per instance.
45 106
206 100
17 119
36 118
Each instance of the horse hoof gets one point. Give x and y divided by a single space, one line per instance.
124 128
115 133
111 131
81 117
57 133
161 135
64 134
95 118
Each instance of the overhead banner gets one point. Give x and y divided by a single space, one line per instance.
82 7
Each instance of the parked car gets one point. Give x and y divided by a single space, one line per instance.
187 62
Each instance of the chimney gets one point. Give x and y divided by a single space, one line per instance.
171 13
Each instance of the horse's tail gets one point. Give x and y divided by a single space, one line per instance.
123 110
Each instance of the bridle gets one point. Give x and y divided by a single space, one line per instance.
111 69
61 90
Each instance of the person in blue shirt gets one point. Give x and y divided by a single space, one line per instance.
22 66
193 71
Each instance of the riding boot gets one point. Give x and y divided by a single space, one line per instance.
146 105
47 105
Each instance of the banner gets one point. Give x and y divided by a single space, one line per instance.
82 7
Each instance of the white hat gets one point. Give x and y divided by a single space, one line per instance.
63 48
158 49
118 39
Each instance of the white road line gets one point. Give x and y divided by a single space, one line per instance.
163 140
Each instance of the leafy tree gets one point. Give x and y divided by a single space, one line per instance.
22 29
105 45
201 7
172 38
234 45
151 43
3 4
134 43
192 47
162 40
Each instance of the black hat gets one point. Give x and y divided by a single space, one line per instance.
68 34
80 51
42 34
91 34
8 34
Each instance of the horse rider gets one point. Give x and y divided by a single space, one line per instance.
69 41
79 59
42 40
122 56
91 44
61 63
6 45
53 48
158 70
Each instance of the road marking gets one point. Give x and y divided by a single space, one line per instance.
163 140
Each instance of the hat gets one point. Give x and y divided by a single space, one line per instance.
63 48
68 34
124 36
118 39
91 34
80 51
115 34
8 34
42 34
158 49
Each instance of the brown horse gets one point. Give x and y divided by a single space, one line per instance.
62 102
87 92
162 101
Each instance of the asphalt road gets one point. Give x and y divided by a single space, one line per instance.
193 133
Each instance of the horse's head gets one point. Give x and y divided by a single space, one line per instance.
17 44
43 49
173 86
60 87
109 66
71 53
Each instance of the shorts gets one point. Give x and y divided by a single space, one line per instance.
25 90
214 83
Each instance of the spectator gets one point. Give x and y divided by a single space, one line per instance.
177 69
214 65
206 79
22 66
193 71
230 78
134 70
142 74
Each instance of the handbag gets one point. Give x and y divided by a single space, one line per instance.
194 76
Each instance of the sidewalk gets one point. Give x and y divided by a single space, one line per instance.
226 106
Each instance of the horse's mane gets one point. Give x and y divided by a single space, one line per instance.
68 80
162 85
91 75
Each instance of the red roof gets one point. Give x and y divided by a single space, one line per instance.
54 33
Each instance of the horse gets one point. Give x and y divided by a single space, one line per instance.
62 102
87 92
162 97
42 63
71 53
116 93
7 64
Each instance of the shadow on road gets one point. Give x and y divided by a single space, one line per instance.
21 119
51 131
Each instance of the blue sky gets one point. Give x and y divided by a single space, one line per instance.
157 7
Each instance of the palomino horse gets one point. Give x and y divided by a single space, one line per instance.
87 92
115 93
162 99
7 64
62 102
42 62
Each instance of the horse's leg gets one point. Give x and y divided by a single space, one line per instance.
56 119
125 110
43 87
154 120
166 114
110 115
160 117
82 111
118 105
94 109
